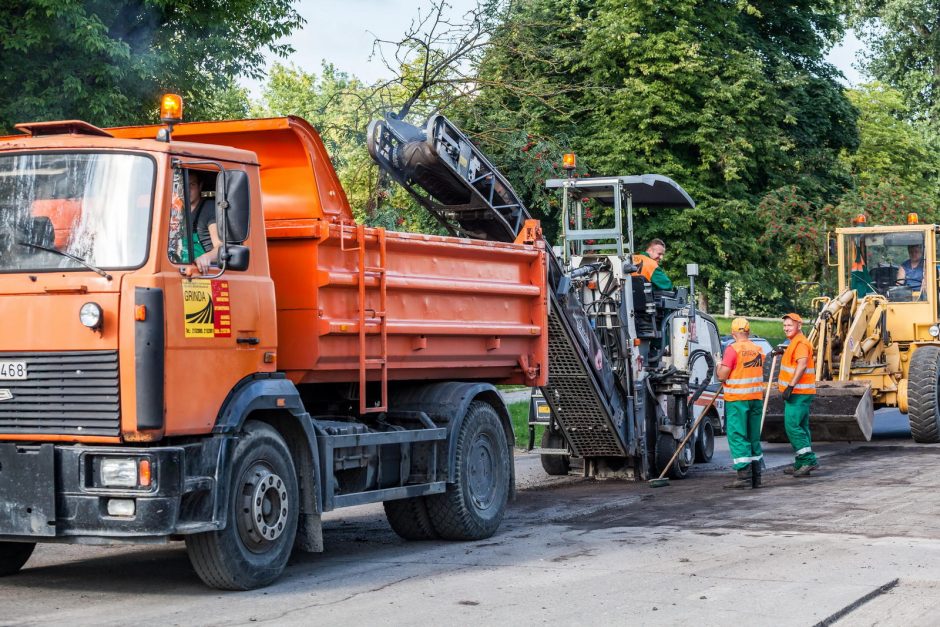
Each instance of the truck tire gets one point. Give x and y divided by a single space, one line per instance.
13 555
409 518
705 444
253 548
555 465
923 412
473 506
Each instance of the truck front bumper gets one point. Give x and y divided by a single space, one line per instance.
55 493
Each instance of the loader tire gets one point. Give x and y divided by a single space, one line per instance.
263 506
555 465
474 504
14 555
409 518
923 412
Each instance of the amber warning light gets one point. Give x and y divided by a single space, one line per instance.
569 161
913 218
860 219
171 109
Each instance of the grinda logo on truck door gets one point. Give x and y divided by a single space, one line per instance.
206 308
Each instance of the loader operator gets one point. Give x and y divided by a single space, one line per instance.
911 273
797 385
742 373
649 265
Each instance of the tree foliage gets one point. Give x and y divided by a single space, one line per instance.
731 99
903 39
108 62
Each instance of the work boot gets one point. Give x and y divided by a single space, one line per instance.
789 470
756 475
803 471
742 479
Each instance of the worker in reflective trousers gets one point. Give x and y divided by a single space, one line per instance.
797 385
742 372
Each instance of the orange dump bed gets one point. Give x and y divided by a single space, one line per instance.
351 298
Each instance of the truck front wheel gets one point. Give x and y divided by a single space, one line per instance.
473 506
263 504
13 555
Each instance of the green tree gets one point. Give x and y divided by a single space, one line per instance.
731 99
108 62
903 39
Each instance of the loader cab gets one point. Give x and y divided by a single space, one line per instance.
899 264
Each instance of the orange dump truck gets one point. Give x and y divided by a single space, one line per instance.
317 363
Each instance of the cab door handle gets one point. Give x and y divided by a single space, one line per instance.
251 341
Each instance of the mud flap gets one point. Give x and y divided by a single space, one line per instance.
842 411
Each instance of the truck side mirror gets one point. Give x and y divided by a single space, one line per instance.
238 196
238 257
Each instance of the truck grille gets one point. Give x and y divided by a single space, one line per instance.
67 393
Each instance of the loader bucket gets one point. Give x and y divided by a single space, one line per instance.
841 412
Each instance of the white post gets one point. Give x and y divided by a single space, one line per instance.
727 300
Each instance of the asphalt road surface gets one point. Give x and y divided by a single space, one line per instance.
857 544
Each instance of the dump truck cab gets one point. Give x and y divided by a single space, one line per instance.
311 363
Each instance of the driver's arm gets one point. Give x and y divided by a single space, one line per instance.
901 275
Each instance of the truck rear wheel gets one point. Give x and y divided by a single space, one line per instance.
13 555
555 465
409 518
923 412
256 543
473 506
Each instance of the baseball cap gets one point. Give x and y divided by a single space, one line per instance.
740 325
795 317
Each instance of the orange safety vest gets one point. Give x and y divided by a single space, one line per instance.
647 266
807 383
746 381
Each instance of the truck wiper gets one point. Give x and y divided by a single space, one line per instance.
67 255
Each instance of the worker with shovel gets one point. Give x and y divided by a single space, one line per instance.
797 385
742 372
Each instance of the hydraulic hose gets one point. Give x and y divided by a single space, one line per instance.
710 360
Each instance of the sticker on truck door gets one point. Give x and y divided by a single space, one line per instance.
206 308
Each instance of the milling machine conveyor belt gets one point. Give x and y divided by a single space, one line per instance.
454 181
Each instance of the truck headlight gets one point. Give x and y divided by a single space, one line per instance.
90 314
934 330
118 472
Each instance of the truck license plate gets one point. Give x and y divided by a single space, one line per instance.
12 370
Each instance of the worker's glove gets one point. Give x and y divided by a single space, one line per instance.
778 350
787 392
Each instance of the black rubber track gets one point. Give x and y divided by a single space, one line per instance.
922 394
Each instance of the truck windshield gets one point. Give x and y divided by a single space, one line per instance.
890 264
58 210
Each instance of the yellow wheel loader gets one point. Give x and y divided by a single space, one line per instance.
877 342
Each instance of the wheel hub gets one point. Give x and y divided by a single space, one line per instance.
482 472
265 508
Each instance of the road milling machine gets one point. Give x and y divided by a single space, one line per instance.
625 362
876 343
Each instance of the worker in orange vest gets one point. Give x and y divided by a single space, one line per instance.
797 385
742 372
649 265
